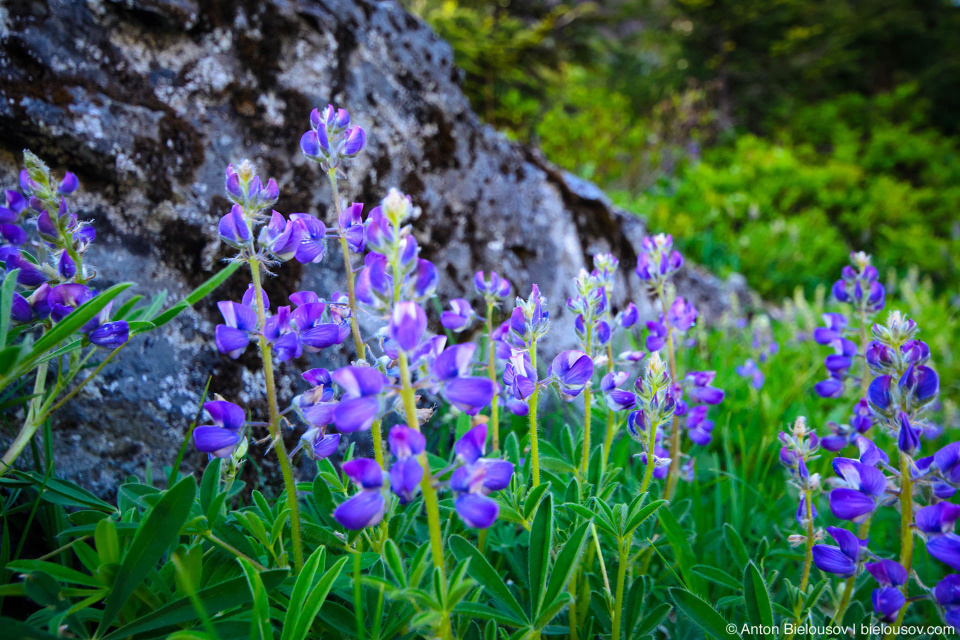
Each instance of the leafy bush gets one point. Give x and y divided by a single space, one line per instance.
853 174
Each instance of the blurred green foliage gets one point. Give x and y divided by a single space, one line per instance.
771 137
850 173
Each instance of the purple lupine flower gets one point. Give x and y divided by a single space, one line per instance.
682 315
29 276
947 460
699 428
20 309
629 316
495 288
801 515
836 324
862 486
312 237
233 228
360 404
64 298
919 384
617 399
657 336
406 473
470 394
366 507
946 549
280 332
840 560
519 380
887 601
109 335
750 370
908 438
701 390
407 324
281 237
572 371
351 226
355 139
947 594
937 519
240 323
319 445
842 435
657 259
69 184
477 478
221 438
459 316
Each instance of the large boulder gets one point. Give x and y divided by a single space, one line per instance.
149 100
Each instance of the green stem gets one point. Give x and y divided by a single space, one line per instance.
358 588
621 579
430 502
587 402
807 561
226 546
30 424
532 404
611 434
648 472
492 370
351 287
266 356
376 430
906 533
674 472
862 533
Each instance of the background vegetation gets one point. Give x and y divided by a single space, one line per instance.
772 137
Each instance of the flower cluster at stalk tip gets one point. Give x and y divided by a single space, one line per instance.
656 265
51 271
898 401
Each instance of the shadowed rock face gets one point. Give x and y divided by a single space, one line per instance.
148 101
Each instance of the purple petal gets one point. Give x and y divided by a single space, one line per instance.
405 442
356 414
850 504
110 334
225 414
470 394
407 324
405 476
218 442
365 509
364 472
230 341
470 447
359 381
454 361
946 549
476 510
832 560
498 474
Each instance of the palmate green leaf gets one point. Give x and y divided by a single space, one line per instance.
702 614
541 545
23 631
475 610
391 556
313 603
481 571
534 496
640 516
155 534
6 304
566 563
735 544
260 626
57 571
813 597
550 610
652 620
300 590
677 538
717 576
224 596
756 598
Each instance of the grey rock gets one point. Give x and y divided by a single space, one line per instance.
148 101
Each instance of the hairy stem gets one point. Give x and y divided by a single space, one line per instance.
492 370
674 473
266 356
532 404
426 485
862 533
587 402
621 580
906 533
351 287
30 424
376 430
